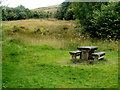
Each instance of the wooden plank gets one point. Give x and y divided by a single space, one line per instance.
98 54
88 48
75 52
100 58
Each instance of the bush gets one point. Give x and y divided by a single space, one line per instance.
100 20
105 22
65 11
21 12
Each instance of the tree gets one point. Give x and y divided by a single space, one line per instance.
64 12
105 22
98 19
21 12
83 11
4 14
17 13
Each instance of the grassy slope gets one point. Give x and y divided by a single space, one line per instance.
40 61
49 8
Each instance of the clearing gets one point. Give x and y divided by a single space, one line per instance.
36 55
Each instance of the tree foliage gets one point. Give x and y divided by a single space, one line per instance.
106 21
21 12
99 19
65 11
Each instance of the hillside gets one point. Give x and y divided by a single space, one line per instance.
48 9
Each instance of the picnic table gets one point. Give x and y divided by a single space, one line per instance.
86 52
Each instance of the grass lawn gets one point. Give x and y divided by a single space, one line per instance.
42 65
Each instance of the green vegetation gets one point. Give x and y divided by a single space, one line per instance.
17 13
65 11
36 55
21 12
49 8
36 51
98 19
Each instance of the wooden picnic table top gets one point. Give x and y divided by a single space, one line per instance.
88 48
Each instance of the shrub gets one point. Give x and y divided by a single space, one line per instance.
100 20
105 22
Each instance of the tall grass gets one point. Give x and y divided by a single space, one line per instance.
56 33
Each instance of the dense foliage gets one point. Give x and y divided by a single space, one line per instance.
99 19
65 12
106 22
21 12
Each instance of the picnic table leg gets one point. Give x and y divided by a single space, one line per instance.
74 57
81 55
85 54
95 58
90 54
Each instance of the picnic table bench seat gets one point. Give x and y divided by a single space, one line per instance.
74 54
98 55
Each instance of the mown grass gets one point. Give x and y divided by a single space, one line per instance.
42 60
